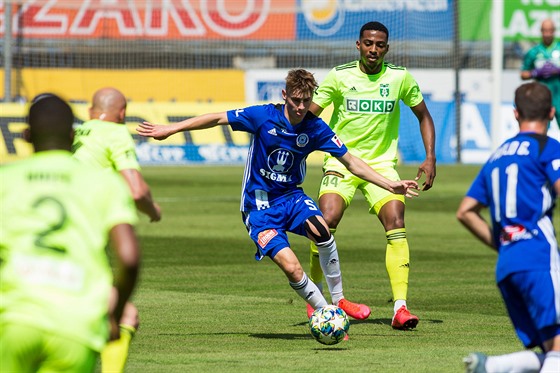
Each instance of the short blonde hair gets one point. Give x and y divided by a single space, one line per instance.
301 81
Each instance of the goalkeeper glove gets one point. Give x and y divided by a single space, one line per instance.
546 71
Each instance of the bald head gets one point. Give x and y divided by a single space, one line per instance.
547 31
50 123
108 104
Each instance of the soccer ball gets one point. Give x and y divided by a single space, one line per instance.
329 325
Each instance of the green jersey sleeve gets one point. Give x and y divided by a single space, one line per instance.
328 91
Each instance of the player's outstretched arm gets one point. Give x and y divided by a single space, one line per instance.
161 132
469 215
361 169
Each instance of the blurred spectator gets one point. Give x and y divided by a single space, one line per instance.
542 63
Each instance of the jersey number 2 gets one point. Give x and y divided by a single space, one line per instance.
59 221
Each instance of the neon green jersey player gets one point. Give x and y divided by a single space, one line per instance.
107 145
366 95
105 142
55 279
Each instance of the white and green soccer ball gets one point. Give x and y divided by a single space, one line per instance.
329 324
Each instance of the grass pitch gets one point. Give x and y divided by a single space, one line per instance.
207 306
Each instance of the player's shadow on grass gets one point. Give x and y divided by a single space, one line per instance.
288 336
293 336
380 321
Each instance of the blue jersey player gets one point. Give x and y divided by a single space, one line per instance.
273 203
520 183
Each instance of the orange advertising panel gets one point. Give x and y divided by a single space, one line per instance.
154 19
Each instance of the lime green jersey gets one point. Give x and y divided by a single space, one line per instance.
55 219
366 112
105 145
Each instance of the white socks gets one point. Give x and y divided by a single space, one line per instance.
328 257
309 292
398 304
517 362
551 362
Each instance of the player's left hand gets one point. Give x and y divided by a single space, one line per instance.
549 70
428 167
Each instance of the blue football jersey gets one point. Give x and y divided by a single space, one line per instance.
276 163
517 184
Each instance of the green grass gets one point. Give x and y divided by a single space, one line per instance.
207 306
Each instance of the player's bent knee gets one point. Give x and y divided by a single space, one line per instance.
332 220
294 273
317 230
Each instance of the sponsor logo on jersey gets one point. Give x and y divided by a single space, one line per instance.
302 140
369 106
337 141
265 237
274 176
280 161
513 233
272 132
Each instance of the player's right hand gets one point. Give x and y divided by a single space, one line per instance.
157 214
409 188
157 131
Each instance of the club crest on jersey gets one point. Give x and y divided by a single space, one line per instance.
384 90
302 140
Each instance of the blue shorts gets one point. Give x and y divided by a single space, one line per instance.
532 299
268 228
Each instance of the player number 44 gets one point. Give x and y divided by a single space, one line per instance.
330 180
